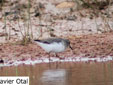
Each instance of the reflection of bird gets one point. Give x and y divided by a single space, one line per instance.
54 45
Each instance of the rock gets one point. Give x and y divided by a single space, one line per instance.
66 5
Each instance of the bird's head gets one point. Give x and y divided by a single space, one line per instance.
68 44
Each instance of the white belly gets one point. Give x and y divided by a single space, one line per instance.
54 47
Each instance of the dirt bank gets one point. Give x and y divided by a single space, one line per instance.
96 45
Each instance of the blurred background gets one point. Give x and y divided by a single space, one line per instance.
30 19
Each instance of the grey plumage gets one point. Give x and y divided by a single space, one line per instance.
50 41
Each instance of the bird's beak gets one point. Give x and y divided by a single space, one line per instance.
70 47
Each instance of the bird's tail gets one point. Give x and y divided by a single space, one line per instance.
37 40
42 41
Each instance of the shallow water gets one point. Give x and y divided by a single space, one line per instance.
70 73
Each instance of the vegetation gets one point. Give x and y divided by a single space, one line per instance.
23 12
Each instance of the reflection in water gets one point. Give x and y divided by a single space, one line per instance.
54 77
64 73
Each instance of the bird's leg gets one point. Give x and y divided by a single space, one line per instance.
56 55
49 56
57 63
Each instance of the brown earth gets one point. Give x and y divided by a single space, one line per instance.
96 45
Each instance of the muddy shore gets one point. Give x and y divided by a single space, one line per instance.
91 46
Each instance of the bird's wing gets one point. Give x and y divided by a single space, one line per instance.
50 40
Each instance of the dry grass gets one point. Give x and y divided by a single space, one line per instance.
23 12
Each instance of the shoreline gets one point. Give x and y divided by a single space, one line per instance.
86 47
53 59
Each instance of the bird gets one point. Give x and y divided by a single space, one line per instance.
54 45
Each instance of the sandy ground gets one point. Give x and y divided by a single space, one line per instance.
50 18
92 46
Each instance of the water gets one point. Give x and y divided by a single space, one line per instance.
69 73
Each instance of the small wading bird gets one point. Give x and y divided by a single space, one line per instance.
54 45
